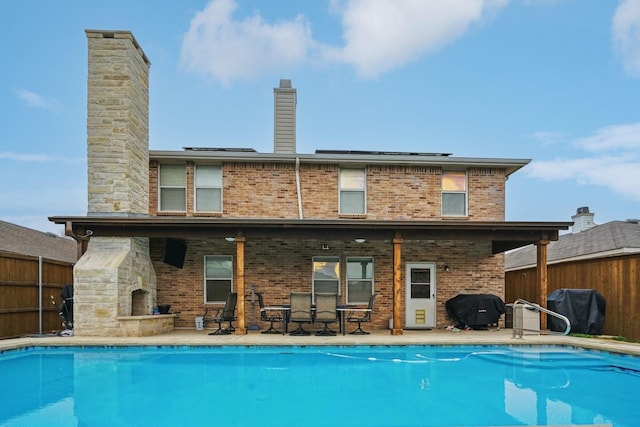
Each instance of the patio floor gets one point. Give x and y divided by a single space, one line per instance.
377 337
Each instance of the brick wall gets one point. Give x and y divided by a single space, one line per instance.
267 190
278 267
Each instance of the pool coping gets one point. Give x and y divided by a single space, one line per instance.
190 337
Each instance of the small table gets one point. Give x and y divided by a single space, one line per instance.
342 310
285 314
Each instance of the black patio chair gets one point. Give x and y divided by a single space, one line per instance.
361 316
326 312
225 314
300 311
269 315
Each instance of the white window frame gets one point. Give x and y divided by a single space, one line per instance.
360 279
206 278
464 192
162 187
197 187
345 189
313 272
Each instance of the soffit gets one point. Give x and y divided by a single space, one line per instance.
504 235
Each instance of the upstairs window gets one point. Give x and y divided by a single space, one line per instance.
208 188
353 191
326 275
359 280
173 188
218 278
454 193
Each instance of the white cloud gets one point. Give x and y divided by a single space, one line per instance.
618 170
379 35
612 137
229 49
38 158
548 138
32 99
541 2
626 35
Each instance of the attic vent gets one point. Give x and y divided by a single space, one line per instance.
633 220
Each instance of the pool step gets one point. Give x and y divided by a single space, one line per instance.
543 360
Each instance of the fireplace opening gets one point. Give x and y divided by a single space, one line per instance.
139 303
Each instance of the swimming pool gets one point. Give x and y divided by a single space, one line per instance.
317 386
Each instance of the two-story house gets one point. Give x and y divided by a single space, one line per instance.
186 227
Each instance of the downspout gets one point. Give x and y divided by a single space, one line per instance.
298 188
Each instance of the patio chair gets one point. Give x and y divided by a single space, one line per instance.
360 316
326 312
225 314
269 315
300 311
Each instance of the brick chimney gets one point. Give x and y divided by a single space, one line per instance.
582 220
284 132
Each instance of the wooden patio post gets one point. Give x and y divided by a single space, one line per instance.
240 329
397 284
541 276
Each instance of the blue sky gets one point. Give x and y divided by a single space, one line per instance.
555 81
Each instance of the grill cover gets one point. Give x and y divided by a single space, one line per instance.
585 309
475 310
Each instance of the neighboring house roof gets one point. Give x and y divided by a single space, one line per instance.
26 241
605 240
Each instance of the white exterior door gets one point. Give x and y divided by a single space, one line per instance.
421 295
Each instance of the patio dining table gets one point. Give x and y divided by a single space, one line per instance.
341 309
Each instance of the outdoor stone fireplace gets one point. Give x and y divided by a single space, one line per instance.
115 290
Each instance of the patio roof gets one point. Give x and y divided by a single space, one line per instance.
504 235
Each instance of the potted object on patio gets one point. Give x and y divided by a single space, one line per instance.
164 308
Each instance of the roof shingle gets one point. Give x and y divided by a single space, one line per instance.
26 241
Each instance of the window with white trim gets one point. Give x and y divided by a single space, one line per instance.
208 188
172 180
218 278
454 193
326 274
353 184
359 279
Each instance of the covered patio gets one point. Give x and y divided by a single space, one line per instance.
501 235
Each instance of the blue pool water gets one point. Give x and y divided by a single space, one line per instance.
317 386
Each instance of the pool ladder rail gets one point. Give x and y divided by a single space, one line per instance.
518 325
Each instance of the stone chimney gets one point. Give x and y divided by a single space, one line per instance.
582 220
114 280
117 124
284 123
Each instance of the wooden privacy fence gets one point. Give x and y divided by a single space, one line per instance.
20 276
616 278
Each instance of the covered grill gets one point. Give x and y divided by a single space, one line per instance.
585 309
476 311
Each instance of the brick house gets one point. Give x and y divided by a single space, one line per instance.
186 227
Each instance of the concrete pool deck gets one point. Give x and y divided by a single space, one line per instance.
188 337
